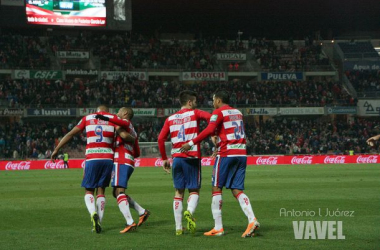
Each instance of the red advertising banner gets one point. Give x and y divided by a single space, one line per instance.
207 161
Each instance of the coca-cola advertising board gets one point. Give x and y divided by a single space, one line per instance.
206 161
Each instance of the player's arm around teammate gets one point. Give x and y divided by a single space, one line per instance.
126 150
64 141
231 162
99 161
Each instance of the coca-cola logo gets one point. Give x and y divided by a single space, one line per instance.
272 160
206 161
367 159
137 162
335 159
54 165
302 160
22 165
83 164
159 162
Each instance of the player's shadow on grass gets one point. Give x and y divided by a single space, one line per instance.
154 223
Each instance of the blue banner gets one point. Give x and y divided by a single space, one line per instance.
51 112
362 65
282 76
341 110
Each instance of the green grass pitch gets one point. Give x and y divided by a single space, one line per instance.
44 209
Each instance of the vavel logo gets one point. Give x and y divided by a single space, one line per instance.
23 165
302 160
272 160
367 159
335 159
321 230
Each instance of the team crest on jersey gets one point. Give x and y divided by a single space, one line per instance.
213 118
102 122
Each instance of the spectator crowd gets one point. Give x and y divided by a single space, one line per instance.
23 52
36 139
310 136
288 56
124 51
280 135
158 93
364 80
127 51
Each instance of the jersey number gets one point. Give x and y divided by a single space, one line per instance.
239 130
99 132
181 133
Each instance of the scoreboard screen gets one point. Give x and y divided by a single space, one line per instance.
66 12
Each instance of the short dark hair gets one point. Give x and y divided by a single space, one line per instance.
222 95
102 107
128 110
186 95
130 113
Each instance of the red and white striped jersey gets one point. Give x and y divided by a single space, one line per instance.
183 126
100 136
230 131
126 152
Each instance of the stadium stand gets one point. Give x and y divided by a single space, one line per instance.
20 52
156 93
289 56
279 135
310 136
358 49
122 52
364 80
126 52
28 138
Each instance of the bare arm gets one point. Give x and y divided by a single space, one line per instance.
214 140
64 141
375 138
371 141
127 137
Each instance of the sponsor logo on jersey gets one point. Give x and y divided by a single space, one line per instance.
213 118
99 151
